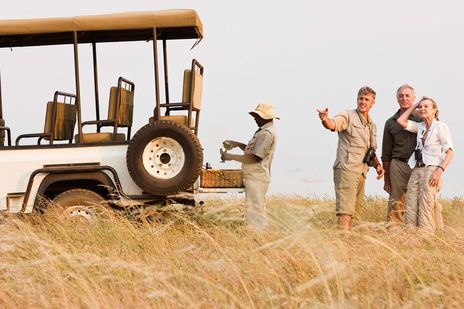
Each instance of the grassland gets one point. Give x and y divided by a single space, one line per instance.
209 259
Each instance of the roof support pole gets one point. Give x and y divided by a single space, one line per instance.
78 86
166 79
1 101
157 94
95 82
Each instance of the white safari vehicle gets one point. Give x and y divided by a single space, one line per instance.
74 160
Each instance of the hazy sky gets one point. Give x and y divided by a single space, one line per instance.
299 55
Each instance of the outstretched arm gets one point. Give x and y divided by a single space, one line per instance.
245 158
326 121
229 144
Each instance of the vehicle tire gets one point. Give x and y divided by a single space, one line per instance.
78 197
164 158
79 204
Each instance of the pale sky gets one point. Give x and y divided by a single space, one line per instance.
298 55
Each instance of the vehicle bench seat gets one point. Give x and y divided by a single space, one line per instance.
180 119
102 137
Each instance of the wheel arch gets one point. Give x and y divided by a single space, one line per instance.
97 181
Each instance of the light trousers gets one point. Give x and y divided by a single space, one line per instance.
421 209
255 194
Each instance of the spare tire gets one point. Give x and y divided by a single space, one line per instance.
164 158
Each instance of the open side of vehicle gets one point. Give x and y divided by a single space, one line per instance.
163 158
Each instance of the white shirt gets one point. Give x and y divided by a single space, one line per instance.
436 145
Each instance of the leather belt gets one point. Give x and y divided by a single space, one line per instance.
402 160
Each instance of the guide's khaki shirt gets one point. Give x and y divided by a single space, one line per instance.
262 144
355 136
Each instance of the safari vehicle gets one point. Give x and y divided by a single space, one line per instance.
74 160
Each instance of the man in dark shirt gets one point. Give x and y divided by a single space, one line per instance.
397 146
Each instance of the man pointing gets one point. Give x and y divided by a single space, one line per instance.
357 142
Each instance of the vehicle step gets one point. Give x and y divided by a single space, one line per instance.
14 201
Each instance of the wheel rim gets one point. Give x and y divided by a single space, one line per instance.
79 213
163 158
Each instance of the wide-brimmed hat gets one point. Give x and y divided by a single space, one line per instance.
265 111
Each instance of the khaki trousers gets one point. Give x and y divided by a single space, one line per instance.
421 209
399 177
255 194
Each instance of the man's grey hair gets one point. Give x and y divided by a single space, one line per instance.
406 86
366 90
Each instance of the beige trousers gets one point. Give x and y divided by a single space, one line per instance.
421 209
255 194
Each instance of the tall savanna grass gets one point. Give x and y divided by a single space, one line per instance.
210 259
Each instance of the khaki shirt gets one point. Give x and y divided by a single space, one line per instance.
355 136
262 144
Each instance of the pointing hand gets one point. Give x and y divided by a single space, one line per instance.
323 113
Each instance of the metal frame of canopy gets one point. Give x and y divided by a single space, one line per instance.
134 26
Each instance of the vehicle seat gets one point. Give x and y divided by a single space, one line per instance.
120 107
191 99
60 120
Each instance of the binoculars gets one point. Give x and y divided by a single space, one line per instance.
418 155
369 157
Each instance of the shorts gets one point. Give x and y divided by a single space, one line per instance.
349 191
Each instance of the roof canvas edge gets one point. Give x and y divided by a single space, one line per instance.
182 18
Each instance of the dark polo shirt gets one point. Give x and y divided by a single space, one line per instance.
398 143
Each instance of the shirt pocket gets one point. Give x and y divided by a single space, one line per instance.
433 141
357 135
250 146
433 147
356 151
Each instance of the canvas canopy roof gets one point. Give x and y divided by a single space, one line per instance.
131 26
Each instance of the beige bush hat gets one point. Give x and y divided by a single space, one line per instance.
265 111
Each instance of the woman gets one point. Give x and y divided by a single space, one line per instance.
430 159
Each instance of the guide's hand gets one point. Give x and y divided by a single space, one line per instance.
228 144
223 153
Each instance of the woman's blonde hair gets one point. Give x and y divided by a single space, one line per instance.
434 105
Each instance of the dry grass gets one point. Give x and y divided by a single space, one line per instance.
210 259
